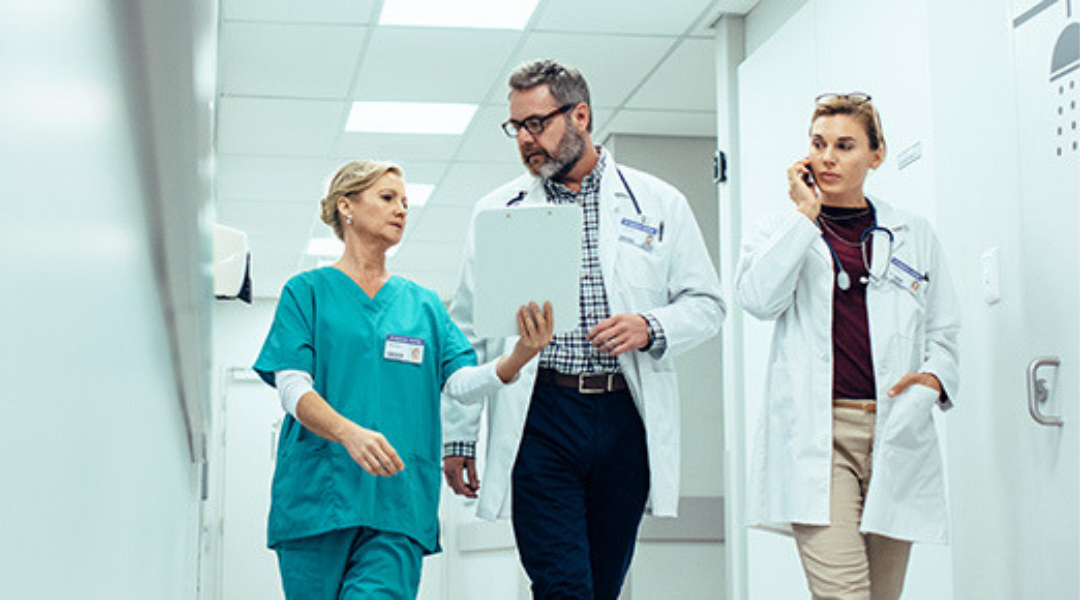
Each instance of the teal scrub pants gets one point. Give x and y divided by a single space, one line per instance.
349 564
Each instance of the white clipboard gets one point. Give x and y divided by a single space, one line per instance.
526 254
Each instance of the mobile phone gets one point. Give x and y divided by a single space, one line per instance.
808 176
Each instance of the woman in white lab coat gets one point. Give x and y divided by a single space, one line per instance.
846 455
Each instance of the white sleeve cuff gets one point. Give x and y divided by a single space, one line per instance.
469 385
291 386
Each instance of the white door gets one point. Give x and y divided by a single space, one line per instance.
1046 47
252 415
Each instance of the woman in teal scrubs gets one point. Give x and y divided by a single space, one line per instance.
360 357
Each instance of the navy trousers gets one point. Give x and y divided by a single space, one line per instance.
580 484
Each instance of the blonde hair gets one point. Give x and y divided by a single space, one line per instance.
861 109
353 178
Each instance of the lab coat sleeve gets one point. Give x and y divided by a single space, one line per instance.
461 421
772 256
695 307
941 350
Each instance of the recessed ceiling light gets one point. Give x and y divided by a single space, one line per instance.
418 193
485 14
410 117
324 246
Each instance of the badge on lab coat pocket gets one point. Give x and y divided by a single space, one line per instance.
402 348
905 276
639 232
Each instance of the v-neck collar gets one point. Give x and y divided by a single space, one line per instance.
381 297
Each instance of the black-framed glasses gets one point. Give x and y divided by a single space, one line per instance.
853 97
535 124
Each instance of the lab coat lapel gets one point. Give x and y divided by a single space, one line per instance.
611 208
893 220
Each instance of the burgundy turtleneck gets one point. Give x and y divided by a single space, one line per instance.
853 364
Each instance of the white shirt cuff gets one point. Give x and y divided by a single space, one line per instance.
291 386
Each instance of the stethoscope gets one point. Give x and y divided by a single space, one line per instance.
843 280
521 195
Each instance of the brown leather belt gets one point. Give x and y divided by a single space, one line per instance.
586 383
870 406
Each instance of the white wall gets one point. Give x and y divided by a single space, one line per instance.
100 497
1008 535
686 163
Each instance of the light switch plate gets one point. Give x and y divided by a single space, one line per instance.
991 276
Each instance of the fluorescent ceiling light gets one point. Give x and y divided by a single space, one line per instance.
410 117
418 193
486 14
325 247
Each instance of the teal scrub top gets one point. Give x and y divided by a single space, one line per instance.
326 325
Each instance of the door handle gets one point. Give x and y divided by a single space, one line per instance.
1038 393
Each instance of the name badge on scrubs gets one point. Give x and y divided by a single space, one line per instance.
401 348
639 232
906 276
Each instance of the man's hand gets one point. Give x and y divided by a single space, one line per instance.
460 475
620 333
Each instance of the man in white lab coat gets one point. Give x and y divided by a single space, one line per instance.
589 433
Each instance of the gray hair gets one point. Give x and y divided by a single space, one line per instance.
566 83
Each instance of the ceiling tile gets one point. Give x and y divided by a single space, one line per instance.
691 70
620 16
306 11
466 183
419 171
263 126
287 60
441 224
433 65
273 178
485 139
610 80
702 124
258 217
399 148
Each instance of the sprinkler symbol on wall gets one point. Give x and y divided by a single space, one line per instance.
1063 75
1064 72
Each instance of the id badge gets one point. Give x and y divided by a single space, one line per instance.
638 232
904 275
401 348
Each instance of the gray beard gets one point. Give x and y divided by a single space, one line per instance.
567 154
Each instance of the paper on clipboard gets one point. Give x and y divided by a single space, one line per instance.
525 254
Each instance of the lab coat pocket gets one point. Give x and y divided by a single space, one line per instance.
642 269
908 422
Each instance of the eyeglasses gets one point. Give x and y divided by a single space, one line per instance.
853 97
535 124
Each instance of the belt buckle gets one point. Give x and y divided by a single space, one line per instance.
582 378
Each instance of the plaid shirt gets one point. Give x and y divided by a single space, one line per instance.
571 352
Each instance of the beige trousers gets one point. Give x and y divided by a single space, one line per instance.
841 563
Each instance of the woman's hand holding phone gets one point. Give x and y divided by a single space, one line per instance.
802 190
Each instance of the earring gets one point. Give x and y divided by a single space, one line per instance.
348 219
